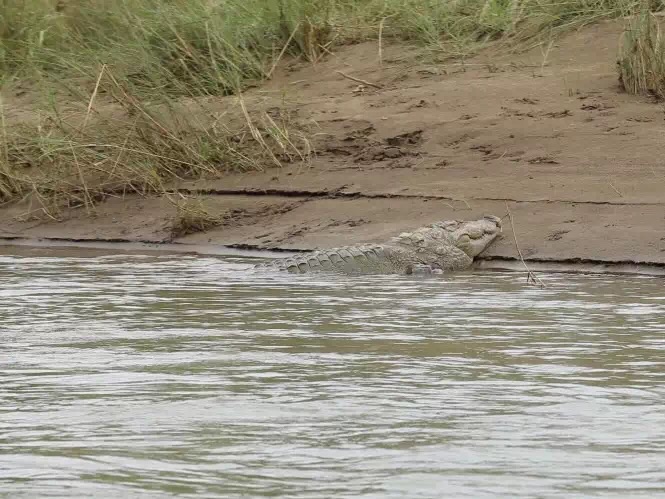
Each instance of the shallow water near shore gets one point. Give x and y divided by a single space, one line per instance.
159 376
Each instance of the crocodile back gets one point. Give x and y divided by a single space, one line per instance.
366 258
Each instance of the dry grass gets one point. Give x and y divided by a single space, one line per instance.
122 144
192 216
641 62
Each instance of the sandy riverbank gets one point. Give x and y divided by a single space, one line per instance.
550 137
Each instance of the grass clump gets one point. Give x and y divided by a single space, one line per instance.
641 62
192 216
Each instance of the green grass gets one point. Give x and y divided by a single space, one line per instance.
182 47
202 47
146 57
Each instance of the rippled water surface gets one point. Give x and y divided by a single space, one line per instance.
145 376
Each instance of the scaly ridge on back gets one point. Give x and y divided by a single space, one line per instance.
346 259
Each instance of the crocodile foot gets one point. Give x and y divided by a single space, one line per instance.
423 269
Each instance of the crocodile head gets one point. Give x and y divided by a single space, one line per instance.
473 236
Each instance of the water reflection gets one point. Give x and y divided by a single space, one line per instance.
139 375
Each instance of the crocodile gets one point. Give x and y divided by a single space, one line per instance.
439 247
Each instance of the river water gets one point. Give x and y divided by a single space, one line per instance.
164 376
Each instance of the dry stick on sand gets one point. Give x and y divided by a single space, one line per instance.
615 189
381 26
381 41
358 80
281 54
530 276
324 50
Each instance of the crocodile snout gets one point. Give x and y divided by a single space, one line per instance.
496 220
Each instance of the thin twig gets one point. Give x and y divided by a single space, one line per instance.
545 55
86 194
530 276
213 60
115 146
122 149
324 49
92 97
358 80
26 215
255 131
381 41
5 144
279 57
43 201
615 189
466 203
285 136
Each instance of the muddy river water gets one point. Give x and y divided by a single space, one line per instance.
182 376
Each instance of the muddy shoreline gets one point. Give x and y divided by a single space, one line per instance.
18 246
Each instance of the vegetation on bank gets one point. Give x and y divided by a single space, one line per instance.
117 91
641 62
213 46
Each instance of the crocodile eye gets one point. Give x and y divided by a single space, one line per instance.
464 240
